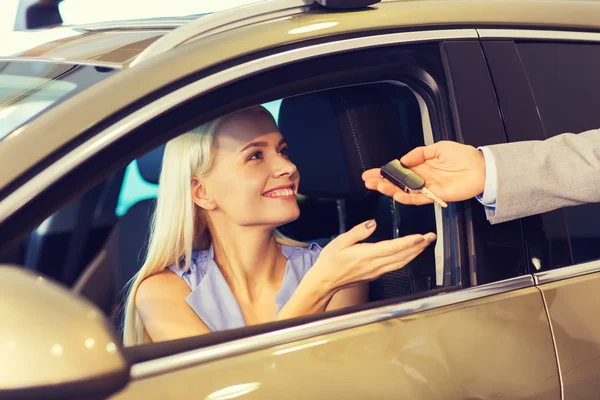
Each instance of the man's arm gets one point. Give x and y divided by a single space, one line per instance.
534 177
512 180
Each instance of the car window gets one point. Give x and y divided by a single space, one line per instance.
28 89
407 86
322 218
565 84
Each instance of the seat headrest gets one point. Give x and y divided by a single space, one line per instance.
336 135
150 163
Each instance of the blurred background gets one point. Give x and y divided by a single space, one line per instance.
15 35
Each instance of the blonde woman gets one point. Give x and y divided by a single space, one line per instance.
215 259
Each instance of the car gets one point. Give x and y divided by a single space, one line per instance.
490 311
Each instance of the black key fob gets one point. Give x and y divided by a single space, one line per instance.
401 176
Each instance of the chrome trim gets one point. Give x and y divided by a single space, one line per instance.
48 176
538 34
59 61
236 347
216 22
567 272
161 23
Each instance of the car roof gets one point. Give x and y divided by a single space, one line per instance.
203 49
126 43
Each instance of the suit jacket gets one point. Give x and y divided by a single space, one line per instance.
540 176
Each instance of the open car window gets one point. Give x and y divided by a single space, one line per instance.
404 91
107 229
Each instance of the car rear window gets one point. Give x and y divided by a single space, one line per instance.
30 88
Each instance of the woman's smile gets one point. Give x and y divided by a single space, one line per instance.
283 192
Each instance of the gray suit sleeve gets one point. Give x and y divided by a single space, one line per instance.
540 176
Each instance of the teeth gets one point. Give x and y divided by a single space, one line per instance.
281 193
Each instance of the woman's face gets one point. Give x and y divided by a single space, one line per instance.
252 181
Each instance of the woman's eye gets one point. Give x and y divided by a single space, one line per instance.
284 151
256 156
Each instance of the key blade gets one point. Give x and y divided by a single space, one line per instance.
428 193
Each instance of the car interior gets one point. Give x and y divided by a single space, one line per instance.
96 244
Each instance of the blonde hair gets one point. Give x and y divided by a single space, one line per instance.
178 225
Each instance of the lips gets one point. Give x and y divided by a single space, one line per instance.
280 191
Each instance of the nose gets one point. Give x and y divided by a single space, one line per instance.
284 167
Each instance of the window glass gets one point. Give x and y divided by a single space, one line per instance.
564 78
29 88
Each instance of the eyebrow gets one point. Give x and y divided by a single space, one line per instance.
261 144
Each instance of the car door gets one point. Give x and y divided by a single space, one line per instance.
548 84
478 339
477 335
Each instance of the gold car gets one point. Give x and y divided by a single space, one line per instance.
490 312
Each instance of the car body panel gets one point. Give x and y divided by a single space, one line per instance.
437 354
46 134
573 311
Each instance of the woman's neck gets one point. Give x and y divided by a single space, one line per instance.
249 258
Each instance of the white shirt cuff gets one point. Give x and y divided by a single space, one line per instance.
491 179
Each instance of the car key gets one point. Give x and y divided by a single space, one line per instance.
408 181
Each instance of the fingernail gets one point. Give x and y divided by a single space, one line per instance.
418 240
431 238
370 224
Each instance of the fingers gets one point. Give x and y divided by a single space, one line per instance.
402 263
374 181
354 235
419 155
418 242
415 199
373 173
395 246
400 259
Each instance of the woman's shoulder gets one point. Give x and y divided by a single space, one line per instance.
197 268
164 284
169 282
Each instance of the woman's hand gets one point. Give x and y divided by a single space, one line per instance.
344 261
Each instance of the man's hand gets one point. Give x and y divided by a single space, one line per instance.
452 171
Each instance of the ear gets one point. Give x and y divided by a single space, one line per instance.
200 195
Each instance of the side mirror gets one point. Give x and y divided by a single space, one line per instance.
54 344
34 14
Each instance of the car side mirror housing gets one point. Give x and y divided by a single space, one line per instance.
54 344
